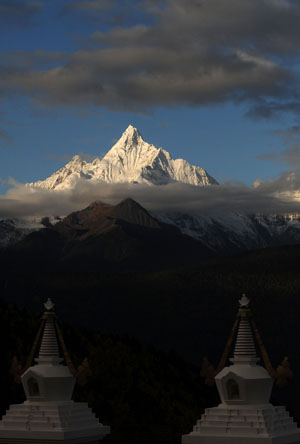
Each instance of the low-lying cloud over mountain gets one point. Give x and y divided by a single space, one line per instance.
275 196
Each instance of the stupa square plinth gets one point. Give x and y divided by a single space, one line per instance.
244 425
245 415
49 415
49 422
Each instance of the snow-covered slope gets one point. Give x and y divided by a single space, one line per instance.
131 160
222 233
12 230
232 232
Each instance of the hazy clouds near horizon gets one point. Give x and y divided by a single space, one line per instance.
269 197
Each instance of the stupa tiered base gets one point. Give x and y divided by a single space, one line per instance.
264 424
51 422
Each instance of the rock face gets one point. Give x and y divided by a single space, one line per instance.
130 160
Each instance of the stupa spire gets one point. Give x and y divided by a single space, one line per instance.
49 350
244 350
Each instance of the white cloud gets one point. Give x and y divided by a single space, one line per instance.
275 196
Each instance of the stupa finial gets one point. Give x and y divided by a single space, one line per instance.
49 305
244 301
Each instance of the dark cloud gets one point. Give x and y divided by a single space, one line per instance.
276 196
105 12
12 122
289 157
87 157
275 108
40 110
164 124
85 113
287 185
139 78
276 157
264 26
20 13
289 133
192 53
4 137
63 157
31 59
91 6
68 157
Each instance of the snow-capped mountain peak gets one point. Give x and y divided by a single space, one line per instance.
131 150
131 136
130 160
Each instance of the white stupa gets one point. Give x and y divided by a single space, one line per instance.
49 415
245 415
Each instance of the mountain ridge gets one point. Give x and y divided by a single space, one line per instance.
105 237
233 232
222 233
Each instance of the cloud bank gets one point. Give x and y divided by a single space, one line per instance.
177 52
18 12
290 156
276 196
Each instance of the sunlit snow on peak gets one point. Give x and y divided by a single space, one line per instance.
130 160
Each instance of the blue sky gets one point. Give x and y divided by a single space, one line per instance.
217 86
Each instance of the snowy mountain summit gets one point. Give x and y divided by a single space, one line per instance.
130 160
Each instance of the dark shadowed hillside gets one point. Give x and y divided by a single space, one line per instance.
189 310
104 237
